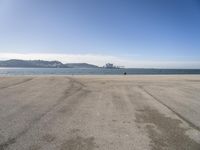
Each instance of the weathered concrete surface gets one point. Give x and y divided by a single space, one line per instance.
100 112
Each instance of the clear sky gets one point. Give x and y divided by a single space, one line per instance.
133 33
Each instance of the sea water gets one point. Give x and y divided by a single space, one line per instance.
92 71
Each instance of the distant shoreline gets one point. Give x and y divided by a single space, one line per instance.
18 63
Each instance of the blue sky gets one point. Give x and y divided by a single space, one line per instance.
133 33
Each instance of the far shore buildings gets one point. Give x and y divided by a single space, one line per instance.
111 66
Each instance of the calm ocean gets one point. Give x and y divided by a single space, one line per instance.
92 71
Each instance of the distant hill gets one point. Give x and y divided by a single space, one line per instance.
80 65
43 64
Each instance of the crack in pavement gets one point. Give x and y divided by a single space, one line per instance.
176 113
15 84
68 92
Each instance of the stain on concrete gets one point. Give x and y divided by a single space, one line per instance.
73 103
2 138
176 113
165 133
74 131
79 143
48 138
34 147
118 102
4 145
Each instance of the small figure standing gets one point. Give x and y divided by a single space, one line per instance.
124 73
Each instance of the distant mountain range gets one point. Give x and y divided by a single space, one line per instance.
43 64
